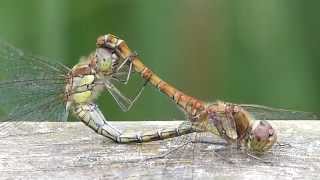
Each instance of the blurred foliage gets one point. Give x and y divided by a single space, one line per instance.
258 52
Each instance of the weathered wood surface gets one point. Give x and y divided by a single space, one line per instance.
73 151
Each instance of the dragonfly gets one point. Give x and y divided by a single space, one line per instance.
35 88
242 124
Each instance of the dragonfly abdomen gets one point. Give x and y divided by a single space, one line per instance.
190 104
90 115
154 135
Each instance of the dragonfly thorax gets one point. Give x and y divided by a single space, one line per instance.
92 75
86 79
84 88
235 124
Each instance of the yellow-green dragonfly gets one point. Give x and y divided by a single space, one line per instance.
34 88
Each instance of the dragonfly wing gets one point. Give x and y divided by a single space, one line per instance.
31 87
268 113
16 64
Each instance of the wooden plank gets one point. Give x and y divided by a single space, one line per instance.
72 151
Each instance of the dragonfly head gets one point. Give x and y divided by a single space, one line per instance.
106 60
262 137
109 63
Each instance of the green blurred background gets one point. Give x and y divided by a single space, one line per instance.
257 52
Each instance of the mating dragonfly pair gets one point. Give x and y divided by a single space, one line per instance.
34 88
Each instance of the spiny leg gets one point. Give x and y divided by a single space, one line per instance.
214 151
258 158
130 70
163 155
226 146
284 145
124 68
170 151
124 102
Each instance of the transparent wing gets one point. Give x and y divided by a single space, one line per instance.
268 113
15 64
31 87
124 102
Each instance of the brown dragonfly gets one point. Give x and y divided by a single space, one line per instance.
241 124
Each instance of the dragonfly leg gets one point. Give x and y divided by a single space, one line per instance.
160 156
282 145
130 70
223 157
124 102
163 155
258 159
211 142
225 146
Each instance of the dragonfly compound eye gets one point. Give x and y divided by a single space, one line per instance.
104 60
262 136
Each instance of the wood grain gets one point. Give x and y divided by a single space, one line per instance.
70 150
